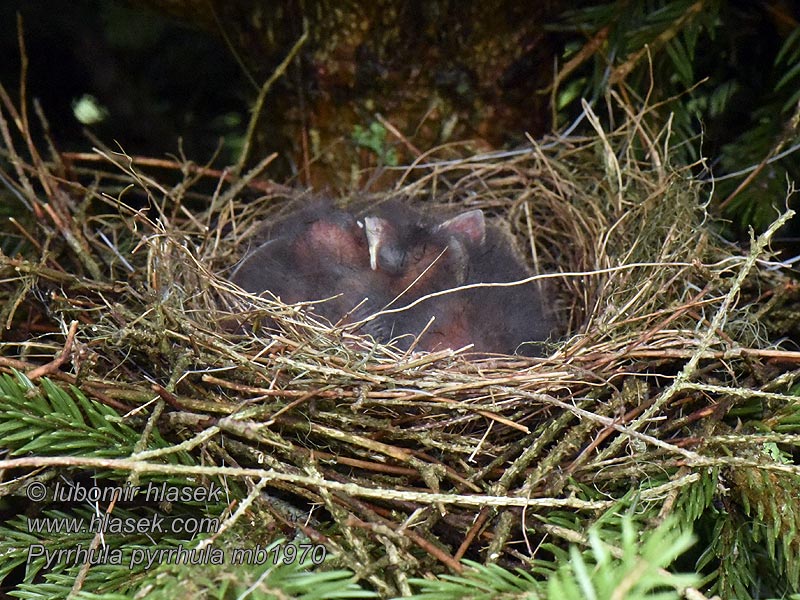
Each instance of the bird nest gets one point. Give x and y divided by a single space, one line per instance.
401 463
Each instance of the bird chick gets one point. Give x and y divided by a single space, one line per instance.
397 272
508 318
414 256
317 253
419 255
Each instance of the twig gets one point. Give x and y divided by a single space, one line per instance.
258 107
56 363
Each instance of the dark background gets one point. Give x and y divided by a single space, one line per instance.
378 83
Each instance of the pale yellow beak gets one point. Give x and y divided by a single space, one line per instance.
374 228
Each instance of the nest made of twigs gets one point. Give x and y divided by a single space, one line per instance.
440 456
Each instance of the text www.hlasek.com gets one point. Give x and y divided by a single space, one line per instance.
110 524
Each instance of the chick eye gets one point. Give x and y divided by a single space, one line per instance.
391 261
